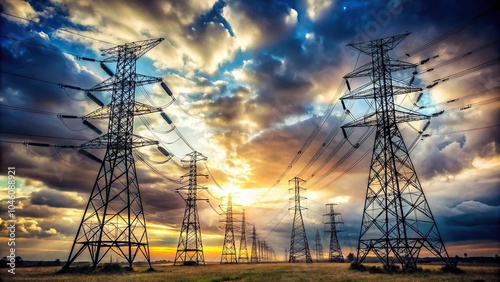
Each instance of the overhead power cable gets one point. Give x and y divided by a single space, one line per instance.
56 28
483 14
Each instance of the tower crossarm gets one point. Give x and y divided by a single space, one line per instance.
137 48
371 119
103 141
367 69
369 93
109 84
386 43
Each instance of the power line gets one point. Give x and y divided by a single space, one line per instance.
28 77
454 30
36 44
55 28
42 136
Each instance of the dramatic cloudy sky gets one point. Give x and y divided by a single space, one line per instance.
252 80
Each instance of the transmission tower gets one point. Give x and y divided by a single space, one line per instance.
190 247
397 220
319 247
254 256
333 219
113 221
229 246
299 248
243 254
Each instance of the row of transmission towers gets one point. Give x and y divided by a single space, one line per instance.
299 246
397 220
260 252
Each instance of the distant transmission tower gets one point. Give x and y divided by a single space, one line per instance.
319 247
190 247
299 248
229 247
254 258
113 221
397 220
333 219
243 254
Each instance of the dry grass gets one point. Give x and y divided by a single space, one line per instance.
259 272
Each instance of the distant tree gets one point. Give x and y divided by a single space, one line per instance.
465 256
58 262
350 257
19 260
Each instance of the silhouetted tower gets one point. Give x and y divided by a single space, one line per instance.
254 258
299 248
332 221
190 247
319 247
397 220
229 247
243 254
113 221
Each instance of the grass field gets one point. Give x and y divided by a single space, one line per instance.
256 272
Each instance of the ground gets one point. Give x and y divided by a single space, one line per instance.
257 272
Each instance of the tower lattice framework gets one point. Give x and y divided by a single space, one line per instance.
299 247
319 247
333 219
243 253
254 258
114 221
229 245
190 247
397 220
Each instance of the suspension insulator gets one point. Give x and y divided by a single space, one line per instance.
165 87
86 59
69 86
94 99
166 118
164 151
344 133
65 116
343 105
92 127
411 80
426 126
36 144
89 156
420 96
438 113
348 85
106 69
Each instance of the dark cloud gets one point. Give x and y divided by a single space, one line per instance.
54 198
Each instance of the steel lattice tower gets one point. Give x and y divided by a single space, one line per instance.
254 256
190 247
397 220
243 254
319 247
333 219
113 221
299 248
229 246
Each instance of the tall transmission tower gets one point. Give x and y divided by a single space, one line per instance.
333 219
229 246
299 248
254 258
397 220
319 247
243 254
113 221
190 247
